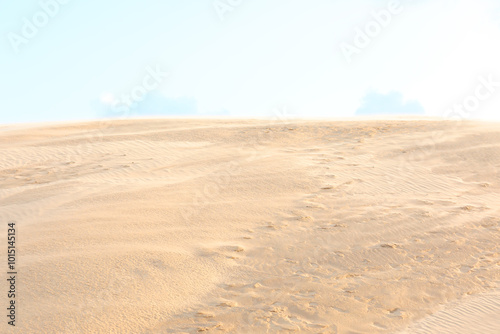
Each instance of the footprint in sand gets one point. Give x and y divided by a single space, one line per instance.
396 312
390 245
306 218
204 314
228 303
238 249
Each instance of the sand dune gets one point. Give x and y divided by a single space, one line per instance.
478 314
188 226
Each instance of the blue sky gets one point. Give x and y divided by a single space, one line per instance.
390 104
76 60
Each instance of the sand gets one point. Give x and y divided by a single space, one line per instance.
253 226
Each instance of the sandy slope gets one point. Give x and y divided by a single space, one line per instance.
186 226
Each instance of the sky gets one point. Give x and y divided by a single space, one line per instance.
66 60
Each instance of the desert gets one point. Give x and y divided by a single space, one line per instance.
253 226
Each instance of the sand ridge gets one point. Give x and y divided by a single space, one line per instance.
186 226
